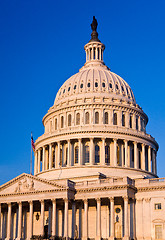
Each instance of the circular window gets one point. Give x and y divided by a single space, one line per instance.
81 86
74 87
96 84
68 89
118 210
110 85
103 84
89 84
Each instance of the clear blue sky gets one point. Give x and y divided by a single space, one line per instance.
41 45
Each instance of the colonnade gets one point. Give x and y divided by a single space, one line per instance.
93 151
54 220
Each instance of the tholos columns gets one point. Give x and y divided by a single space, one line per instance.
149 158
80 151
91 151
98 237
9 221
115 152
112 221
135 155
31 220
54 217
50 156
126 219
126 153
58 155
42 217
85 234
19 220
69 154
66 219
43 159
143 157
39 158
103 152
35 162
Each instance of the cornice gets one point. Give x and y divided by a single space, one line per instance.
150 188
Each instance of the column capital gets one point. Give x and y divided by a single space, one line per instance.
19 203
54 200
68 140
42 201
125 141
79 139
115 139
103 138
85 200
98 199
91 138
143 144
66 200
30 202
135 142
126 198
147 199
139 199
9 203
149 147
111 199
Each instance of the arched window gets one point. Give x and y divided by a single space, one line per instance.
69 119
53 160
87 118
96 118
123 120
55 124
76 154
130 121
107 154
78 119
86 154
106 117
137 125
97 154
62 122
115 118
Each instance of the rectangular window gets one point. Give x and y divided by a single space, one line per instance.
158 232
158 206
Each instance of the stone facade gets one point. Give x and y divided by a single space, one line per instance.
95 170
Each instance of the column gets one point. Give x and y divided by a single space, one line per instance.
91 151
126 153
80 151
112 216
66 219
154 161
135 156
122 155
147 219
43 159
149 158
139 218
31 220
42 217
100 53
69 154
143 156
39 158
58 155
98 237
9 221
19 220
134 219
47 157
73 220
103 152
54 217
85 235
50 156
0 223
115 152
35 162
126 219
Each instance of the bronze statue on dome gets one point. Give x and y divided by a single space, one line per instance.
94 24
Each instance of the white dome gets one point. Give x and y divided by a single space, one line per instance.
92 81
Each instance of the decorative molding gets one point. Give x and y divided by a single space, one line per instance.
23 186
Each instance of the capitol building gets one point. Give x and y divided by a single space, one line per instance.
95 168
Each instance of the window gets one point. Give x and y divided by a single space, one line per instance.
87 118
74 87
107 154
115 118
103 84
158 206
130 121
78 119
56 124
64 91
158 232
117 87
76 154
137 127
96 118
96 84
122 88
62 122
123 120
106 117
69 120
110 85
81 86
89 84
86 154
68 89
97 154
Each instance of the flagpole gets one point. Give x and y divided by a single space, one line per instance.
31 159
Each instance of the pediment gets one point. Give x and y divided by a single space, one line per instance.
28 183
